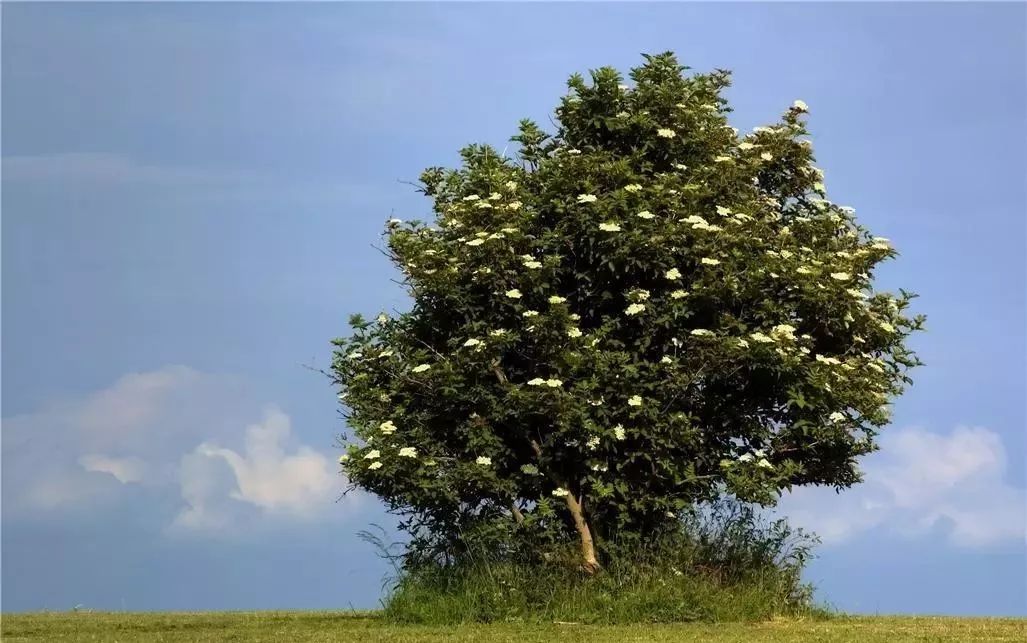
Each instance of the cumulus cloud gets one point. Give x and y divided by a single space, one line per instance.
170 433
918 482
264 475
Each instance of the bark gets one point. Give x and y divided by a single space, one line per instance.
518 516
588 550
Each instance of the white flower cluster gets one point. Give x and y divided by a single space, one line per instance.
759 456
551 383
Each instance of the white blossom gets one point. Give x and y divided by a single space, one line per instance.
343 458
373 454
666 360
783 330
709 262
634 187
760 337
408 452
530 313
471 197
841 276
374 465
618 432
554 383
483 460
673 273
645 214
702 332
420 368
767 156
666 132
513 294
607 226
593 443
574 332
800 106
475 242
678 294
634 309
538 381
557 299
586 198
836 416
635 400
387 427
560 492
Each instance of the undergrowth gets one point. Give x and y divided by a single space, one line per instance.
725 564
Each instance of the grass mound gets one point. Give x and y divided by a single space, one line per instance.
724 565
625 594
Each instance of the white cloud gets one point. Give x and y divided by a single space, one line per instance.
126 470
920 481
266 476
162 434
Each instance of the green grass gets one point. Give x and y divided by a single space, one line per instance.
308 627
498 592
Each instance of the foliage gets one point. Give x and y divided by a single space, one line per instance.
643 312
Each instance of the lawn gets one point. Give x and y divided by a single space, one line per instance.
304 627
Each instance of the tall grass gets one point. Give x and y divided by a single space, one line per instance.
725 564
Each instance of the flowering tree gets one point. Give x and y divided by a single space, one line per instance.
642 312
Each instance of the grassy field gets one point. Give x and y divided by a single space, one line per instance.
308 627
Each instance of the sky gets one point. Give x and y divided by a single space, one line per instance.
191 199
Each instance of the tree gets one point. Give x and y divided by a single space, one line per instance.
642 312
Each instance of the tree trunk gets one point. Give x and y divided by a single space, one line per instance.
588 550
518 516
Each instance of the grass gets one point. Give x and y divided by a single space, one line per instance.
725 564
630 594
308 627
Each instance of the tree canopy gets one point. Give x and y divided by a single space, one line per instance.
642 311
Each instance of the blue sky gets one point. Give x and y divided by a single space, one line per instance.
191 194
